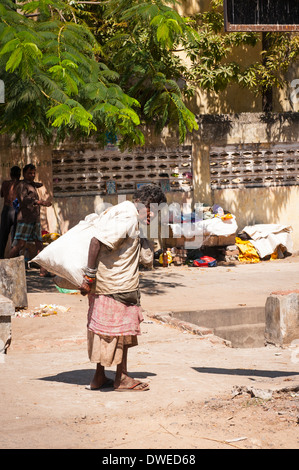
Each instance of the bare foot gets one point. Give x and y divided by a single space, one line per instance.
99 381
126 383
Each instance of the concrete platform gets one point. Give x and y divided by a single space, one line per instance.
243 327
229 299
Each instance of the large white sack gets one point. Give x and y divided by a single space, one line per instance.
267 237
67 256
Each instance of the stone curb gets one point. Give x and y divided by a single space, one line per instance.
208 333
285 292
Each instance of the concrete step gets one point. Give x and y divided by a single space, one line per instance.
243 336
244 326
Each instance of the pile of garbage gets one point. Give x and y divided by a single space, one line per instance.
179 256
43 310
253 244
204 212
263 242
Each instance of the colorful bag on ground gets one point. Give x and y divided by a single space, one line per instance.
205 261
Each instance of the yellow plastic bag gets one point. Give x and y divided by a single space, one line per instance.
50 237
226 217
247 252
169 257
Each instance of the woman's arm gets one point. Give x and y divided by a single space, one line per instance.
89 276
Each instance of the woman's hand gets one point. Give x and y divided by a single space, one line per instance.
85 287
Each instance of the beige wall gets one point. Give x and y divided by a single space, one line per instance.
278 205
250 205
67 211
263 206
236 99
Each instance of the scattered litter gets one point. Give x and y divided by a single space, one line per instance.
236 439
205 261
43 310
67 291
293 390
254 392
50 237
263 394
237 390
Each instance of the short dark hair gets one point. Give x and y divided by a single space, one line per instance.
27 167
149 194
15 172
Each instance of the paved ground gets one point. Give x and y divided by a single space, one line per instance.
203 394
185 288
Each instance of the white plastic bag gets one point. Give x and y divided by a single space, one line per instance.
67 256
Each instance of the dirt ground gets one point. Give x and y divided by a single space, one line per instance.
203 394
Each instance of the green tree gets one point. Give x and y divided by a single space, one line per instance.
57 78
54 80
111 68
211 68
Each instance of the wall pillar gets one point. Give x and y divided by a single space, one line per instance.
282 318
13 281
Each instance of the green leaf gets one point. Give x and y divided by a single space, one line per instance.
14 60
163 32
130 114
10 46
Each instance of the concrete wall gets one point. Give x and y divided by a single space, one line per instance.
250 205
236 99
66 211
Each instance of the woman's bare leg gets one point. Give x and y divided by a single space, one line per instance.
122 379
99 378
15 250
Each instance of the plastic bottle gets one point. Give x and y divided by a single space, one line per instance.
165 258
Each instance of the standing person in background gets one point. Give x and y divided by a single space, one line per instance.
111 281
8 215
28 220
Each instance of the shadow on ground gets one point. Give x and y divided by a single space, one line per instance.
247 372
84 376
155 285
36 283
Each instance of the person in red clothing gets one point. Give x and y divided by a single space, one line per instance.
28 220
8 215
